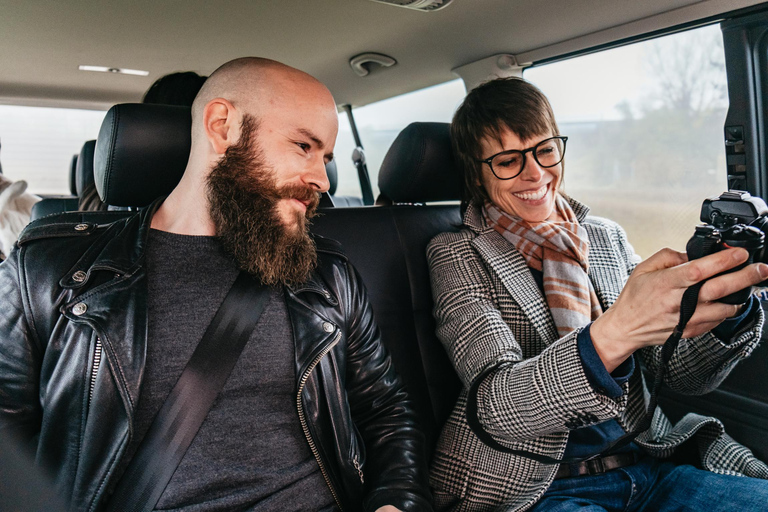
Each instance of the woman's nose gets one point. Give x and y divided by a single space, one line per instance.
532 171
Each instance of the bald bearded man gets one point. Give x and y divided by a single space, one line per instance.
313 415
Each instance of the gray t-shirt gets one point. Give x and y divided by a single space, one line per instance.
250 452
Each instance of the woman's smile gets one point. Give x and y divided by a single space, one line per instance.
533 196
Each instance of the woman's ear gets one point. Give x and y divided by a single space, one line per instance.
221 124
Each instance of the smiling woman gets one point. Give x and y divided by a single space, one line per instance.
533 280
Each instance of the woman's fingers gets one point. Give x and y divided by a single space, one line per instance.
726 284
649 306
665 258
694 271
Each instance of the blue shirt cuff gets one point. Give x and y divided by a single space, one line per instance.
731 326
608 384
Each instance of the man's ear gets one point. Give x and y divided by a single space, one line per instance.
221 124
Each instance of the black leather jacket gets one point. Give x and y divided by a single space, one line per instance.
73 341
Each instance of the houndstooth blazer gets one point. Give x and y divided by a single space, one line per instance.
496 327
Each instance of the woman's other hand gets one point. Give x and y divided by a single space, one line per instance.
648 308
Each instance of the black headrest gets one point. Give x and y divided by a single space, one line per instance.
419 166
333 176
84 169
73 175
141 152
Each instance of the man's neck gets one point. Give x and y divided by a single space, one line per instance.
185 211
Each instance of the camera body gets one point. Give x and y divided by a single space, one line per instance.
733 219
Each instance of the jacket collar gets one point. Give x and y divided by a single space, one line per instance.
127 242
117 309
473 216
506 262
123 335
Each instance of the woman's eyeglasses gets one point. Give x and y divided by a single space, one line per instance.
509 164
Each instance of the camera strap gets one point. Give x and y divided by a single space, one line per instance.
687 308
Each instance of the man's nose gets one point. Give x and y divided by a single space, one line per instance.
316 177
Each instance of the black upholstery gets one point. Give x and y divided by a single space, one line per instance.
84 169
388 247
141 152
73 175
333 176
333 179
80 175
51 205
419 166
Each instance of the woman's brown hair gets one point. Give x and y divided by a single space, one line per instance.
503 104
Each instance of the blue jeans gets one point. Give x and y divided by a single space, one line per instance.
655 485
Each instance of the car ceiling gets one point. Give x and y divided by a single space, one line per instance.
44 42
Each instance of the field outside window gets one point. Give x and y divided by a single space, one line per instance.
645 128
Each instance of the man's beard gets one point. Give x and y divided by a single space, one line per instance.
243 204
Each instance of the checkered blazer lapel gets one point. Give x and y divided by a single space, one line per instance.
510 268
607 278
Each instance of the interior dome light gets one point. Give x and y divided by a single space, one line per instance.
121 71
419 5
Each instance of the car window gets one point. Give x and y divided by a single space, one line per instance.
348 181
38 144
380 122
645 128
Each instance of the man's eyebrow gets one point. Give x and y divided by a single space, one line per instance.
314 138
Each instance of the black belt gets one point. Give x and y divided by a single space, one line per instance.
597 466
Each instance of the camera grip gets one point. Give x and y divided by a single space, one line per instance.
708 240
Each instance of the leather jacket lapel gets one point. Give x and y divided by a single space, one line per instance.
117 312
116 308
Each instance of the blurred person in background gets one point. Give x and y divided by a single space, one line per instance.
15 208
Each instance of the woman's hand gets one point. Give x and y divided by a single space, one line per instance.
648 308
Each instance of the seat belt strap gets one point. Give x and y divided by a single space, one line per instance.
186 407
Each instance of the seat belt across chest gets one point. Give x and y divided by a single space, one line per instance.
186 407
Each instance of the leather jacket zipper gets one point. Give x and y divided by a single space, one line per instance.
359 468
303 419
94 369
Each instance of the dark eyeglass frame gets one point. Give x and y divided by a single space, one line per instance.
522 153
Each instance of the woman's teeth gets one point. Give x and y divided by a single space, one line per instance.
533 196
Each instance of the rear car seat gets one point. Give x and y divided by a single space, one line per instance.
141 154
80 176
387 244
333 179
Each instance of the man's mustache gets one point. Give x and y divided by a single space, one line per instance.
306 195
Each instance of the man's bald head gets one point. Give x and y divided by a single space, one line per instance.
254 85
263 122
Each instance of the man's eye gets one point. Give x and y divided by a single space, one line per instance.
304 146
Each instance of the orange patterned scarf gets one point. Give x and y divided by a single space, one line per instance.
559 250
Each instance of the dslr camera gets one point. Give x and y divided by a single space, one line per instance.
733 219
